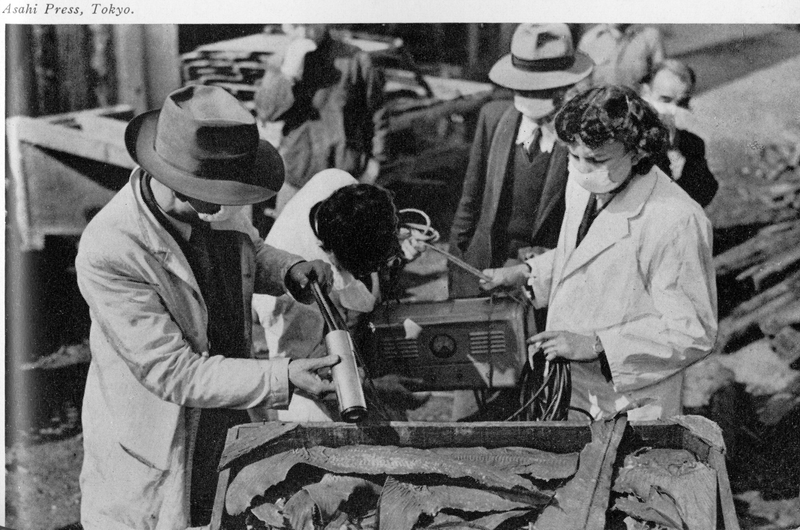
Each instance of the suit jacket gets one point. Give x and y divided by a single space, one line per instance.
643 281
696 179
474 231
150 363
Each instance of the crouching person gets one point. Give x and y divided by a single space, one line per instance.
630 288
353 227
168 276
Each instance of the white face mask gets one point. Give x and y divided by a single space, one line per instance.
673 116
223 214
597 181
356 297
534 108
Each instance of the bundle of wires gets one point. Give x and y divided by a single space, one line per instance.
545 390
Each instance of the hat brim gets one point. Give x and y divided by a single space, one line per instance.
268 169
505 74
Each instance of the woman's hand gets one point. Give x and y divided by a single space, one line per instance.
564 344
508 277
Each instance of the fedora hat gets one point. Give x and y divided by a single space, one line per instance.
204 144
542 57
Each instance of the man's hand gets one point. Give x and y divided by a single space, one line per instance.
676 163
303 375
526 253
508 277
394 389
304 272
564 344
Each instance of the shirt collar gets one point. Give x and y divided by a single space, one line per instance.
527 128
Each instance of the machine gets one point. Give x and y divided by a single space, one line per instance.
470 343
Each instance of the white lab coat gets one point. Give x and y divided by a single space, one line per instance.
151 373
643 281
295 330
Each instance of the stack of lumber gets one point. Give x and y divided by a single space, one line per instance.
758 345
774 171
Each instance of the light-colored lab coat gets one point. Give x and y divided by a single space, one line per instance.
644 282
150 371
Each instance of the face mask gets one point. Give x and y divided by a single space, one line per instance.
356 297
673 116
223 214
533 108
599 181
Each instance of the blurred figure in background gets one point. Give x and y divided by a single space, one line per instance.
512 201
623 54
669 89
316 103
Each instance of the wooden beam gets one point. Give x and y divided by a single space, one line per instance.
161 62
129 55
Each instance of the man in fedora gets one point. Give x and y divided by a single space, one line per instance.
512 201
168 269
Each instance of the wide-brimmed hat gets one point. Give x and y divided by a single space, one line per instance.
204 144
542 57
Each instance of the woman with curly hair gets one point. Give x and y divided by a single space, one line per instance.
630 288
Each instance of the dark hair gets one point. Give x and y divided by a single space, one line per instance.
613 113
358 224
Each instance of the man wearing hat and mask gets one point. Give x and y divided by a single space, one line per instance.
168 269
512 201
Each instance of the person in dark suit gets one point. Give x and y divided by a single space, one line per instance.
669 90
512 200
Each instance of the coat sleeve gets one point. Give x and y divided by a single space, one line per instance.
681 326
697 179
469 206
272 267
134 320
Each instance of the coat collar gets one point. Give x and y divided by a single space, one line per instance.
611 225
498 160
160 243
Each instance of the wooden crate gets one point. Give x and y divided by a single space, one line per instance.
64 168
251 442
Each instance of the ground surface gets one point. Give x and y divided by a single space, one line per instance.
748 93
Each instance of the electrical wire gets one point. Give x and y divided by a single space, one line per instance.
545 388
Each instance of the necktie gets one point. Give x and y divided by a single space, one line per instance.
531 145
588 217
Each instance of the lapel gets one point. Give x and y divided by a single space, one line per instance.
497 163
609 227
554 183
161 244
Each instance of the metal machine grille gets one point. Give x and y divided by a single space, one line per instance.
398 348
487 342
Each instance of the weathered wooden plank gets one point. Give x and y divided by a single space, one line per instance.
767 241
102 128
725 496
556 437
69 140
583 502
